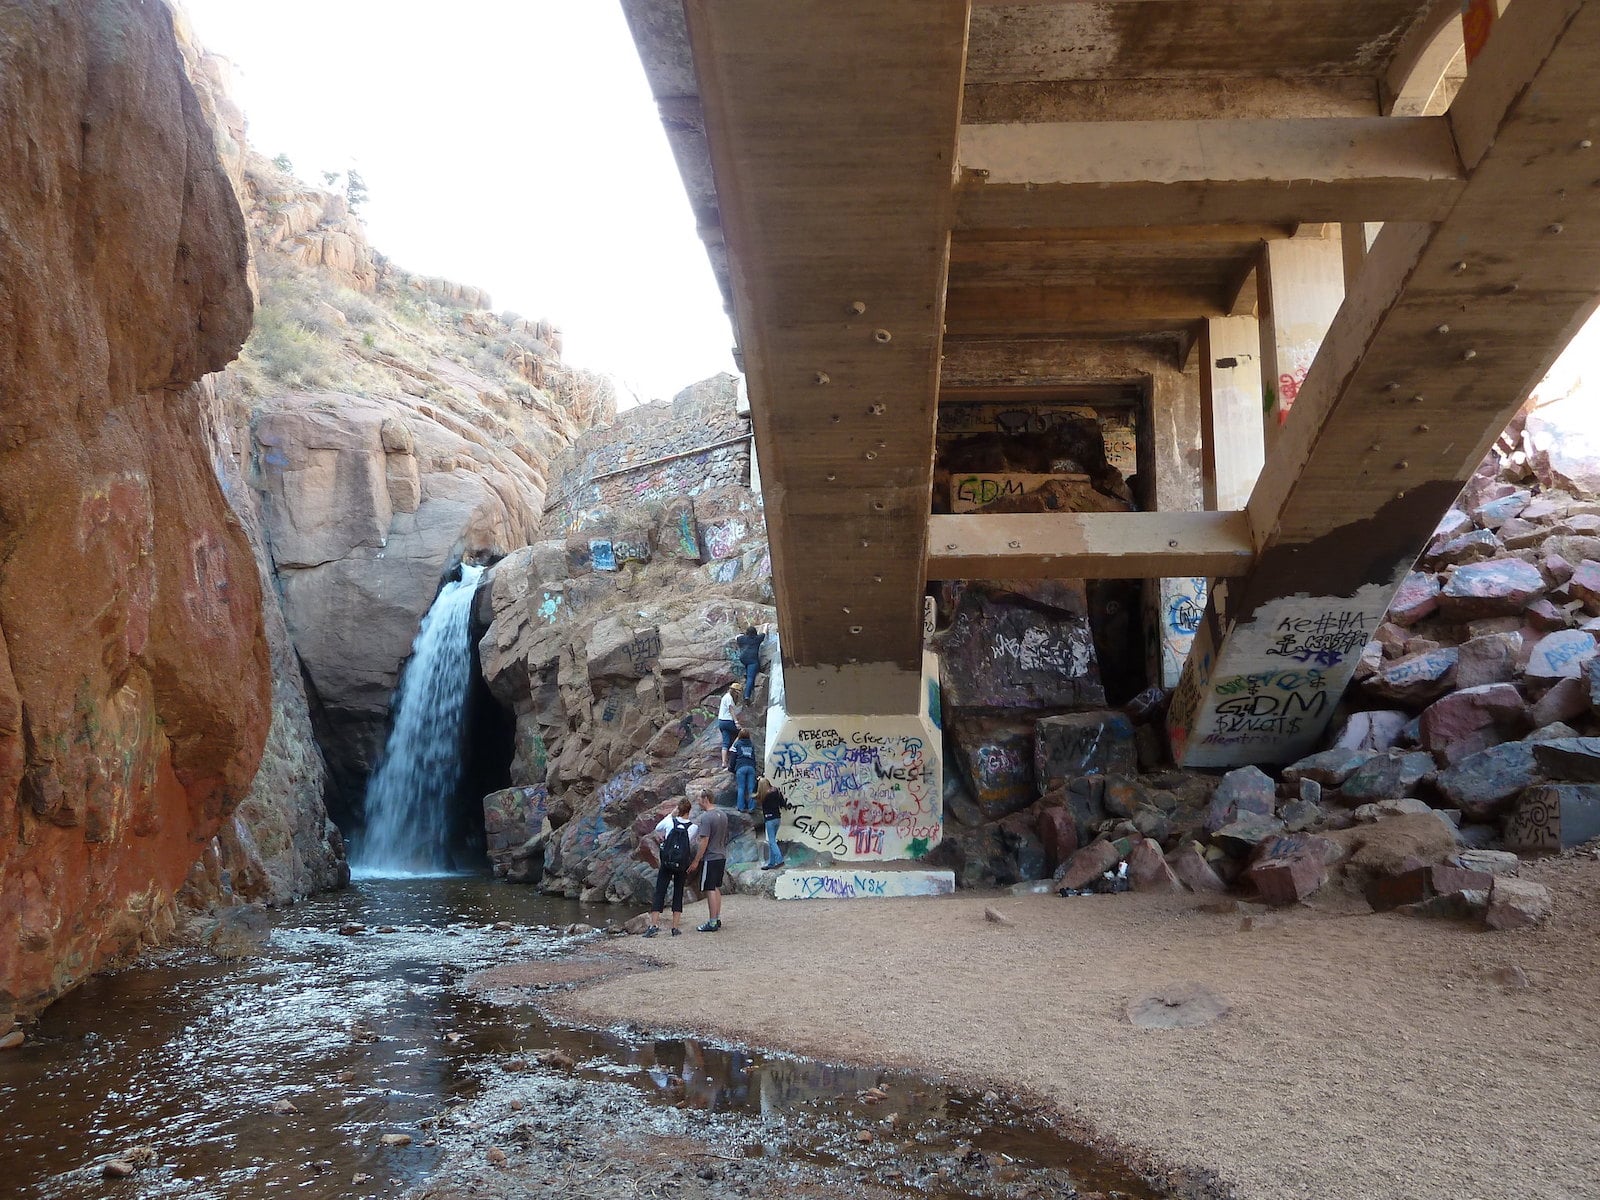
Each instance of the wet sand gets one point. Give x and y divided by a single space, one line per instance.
1375 1056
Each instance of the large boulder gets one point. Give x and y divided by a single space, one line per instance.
996 758
1573 759
1416 678
1004 651
135 686
1243 793
1077 744
1383 776
1473 719
1499 587
1553 817
1482 785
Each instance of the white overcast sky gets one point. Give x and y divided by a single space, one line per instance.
509 144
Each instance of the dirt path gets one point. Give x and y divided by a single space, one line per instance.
1364 1056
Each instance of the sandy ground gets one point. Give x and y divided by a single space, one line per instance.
1364 1056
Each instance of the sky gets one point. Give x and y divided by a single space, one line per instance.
508 144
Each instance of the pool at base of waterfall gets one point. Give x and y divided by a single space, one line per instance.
334 1049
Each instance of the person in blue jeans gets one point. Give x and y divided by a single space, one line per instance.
772 806
744 770
727 726
749 644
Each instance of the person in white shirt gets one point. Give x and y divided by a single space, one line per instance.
676 837
726 724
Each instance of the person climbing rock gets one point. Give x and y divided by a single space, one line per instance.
711 858
772 806
727 725
749 644
744 770
677 837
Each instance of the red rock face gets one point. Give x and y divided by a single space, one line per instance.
134 684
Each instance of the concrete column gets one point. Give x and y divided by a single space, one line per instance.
863 787
1230 411
1300 287
1173 606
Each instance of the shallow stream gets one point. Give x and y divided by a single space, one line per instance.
278 1073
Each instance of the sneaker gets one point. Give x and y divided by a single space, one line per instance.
650 931
771 866
709 927
676 932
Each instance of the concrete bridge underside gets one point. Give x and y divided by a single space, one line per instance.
1367 229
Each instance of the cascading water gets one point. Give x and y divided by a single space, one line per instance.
410 795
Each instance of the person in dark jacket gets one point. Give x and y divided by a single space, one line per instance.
749 644
772 806
744 770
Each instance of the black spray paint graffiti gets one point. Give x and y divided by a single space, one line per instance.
644 650
1270 703
1324 639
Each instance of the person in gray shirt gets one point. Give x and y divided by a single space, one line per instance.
711 858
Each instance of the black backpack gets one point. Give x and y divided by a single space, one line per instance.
675 850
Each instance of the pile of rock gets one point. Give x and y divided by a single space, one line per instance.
1472 732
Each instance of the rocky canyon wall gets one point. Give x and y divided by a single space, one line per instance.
134 674
612 637
377 428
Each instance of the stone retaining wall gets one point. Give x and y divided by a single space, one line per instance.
653 453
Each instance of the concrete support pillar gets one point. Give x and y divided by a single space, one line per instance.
1355 238
1300 287
1230 411
863 785
1173 606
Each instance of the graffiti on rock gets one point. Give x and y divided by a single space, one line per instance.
622 552
601 556
688 540
644 651
723 540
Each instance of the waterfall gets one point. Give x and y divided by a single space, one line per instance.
410 794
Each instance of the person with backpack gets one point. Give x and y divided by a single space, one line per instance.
677 836
744 770
749 644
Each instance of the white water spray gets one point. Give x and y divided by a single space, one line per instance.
410 794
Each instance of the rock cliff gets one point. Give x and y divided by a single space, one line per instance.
388 432
377 428
134 674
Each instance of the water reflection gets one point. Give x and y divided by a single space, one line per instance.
368 1033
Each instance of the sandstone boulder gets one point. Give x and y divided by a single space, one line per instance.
1327 767
1553 817
1517 904
1562 655
1243 793
1482 785
1392 773
1487 589
1472 719
1416 678
1571 759
1417 597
